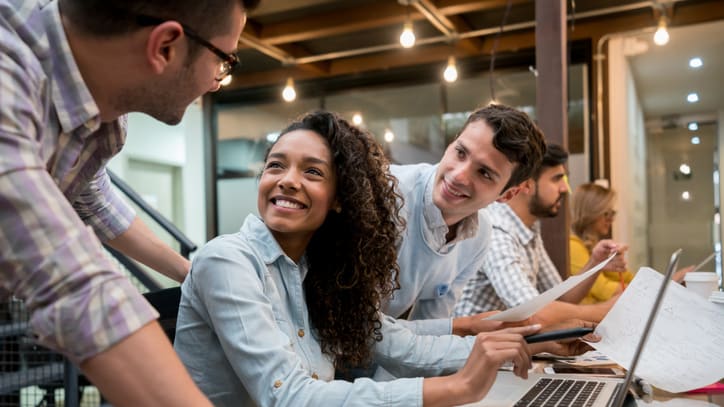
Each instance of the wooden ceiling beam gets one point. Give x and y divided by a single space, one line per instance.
593 28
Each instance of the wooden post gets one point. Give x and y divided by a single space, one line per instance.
551 109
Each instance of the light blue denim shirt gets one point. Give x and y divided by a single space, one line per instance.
244 334
433 272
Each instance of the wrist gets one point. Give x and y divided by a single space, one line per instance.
461 326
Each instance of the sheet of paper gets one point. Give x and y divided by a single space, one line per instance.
529 308
684 350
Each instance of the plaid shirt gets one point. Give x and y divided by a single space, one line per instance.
515 269
55 196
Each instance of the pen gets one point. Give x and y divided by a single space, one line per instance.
555 335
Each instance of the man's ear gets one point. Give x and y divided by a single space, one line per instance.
524 187
162 45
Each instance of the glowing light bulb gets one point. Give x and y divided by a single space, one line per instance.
692 97
661 36
407 38
357 119
389 136
685 169
451 71
695 140
696 62
693 126
289 94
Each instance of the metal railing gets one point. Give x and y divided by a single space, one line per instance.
30 374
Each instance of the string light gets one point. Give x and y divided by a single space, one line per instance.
407 38
451 71
289 94
661 36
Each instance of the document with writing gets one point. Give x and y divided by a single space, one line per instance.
529 308
684 350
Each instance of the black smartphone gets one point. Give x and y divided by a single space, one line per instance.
589 370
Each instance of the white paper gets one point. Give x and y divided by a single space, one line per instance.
529 308
685 349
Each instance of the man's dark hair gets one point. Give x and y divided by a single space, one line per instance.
555 155
115 17
516 136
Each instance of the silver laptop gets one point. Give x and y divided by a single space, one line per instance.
541 389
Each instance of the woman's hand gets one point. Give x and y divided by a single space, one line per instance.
490 351
603 249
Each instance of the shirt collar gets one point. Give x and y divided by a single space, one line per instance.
257 232
513 223
73 102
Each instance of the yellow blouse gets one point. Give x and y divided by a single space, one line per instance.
607 282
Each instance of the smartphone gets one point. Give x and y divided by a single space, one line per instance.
589 370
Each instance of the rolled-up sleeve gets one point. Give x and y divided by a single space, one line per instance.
79 303
99 206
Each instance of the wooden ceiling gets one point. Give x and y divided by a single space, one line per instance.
311 39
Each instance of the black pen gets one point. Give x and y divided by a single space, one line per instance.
555 335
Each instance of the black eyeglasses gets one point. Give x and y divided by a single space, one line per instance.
228 61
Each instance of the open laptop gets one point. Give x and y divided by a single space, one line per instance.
541 389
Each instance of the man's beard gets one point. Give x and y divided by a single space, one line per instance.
539 210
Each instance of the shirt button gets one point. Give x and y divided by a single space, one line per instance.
301 333
277 384
314 376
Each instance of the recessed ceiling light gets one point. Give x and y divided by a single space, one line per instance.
693 126
695 140
696 62
685 169
686 196
692 97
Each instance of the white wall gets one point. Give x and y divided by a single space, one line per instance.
178 146
627 156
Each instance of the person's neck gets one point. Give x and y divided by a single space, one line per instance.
520 206
293 246
98 68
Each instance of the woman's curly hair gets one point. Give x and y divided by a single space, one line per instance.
352 257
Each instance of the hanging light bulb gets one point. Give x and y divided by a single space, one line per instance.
389 136
225 81
661 36
407 38
357 119
289 94
451 71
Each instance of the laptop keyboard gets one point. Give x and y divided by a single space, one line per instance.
560 393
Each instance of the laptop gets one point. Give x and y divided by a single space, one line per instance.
542 390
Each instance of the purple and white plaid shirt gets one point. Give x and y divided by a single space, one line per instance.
55 196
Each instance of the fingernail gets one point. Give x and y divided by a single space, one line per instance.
536 326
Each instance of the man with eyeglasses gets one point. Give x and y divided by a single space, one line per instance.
69 72
516 267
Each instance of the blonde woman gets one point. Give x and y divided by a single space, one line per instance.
593 215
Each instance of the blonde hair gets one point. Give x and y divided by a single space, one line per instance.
589 202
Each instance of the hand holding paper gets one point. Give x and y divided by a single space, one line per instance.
526 310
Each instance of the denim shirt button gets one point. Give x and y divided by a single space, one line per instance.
301 333
277 384
314 376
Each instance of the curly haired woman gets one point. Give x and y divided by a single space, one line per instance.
268 313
